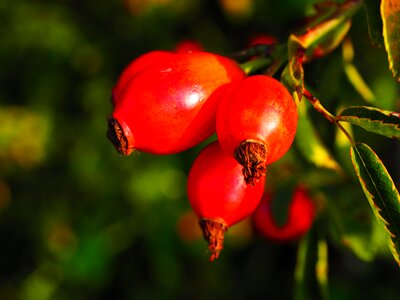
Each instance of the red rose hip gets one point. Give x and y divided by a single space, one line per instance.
300 217
137 65
256 122
219 195
169 107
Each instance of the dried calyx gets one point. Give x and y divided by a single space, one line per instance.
252 155
116 135
213 232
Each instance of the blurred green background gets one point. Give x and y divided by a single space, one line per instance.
79 221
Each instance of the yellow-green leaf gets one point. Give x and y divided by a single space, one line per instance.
309 143
351 222
376 120
352 73
311 271
380 191
293 74
390 13
328 43
374 20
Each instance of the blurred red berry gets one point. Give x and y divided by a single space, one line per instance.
262 39
301 213
188 46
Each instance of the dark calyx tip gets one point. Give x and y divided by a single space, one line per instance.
213 232
116 135
252 155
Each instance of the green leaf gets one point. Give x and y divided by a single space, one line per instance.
252 66
390 12
372 10
311 272
321 12
321 37
352 73
381 192
309 143
293 74
376 120
351 222
358 82
326 26
328 43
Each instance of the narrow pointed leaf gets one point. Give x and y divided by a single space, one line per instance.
372 9
327 43
293 74
326 26
352 73
380 191
322 267
320 38
323 11
390 12
253 66
376 120
311 280
309 143
352 223
358 82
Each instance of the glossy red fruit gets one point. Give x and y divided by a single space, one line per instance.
262 39
256 122
301 213
169 107
219 195
137 65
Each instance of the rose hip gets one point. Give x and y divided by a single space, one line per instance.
137 65
169 107
219 195
256 122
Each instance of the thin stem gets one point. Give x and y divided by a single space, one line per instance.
275 66
318 106
255 65
332 118
345 132
261 50
269 57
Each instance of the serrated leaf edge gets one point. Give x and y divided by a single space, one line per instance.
395 72
349 118
354 149
371 108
